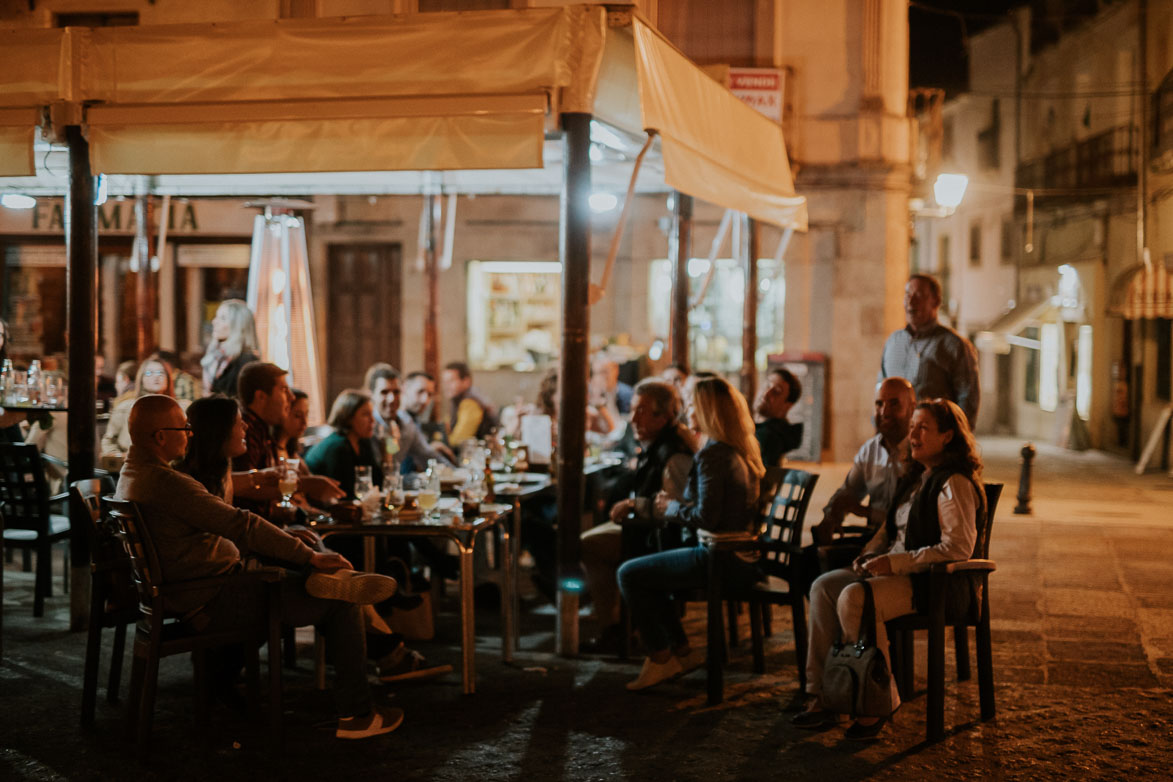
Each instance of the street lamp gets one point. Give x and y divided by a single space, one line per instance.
949 189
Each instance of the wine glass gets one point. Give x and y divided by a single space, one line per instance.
393 492
287 481
429 495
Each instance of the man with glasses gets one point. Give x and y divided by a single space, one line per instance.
198 535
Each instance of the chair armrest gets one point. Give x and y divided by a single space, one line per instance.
779 546
727 541
263 575
53 460
966 566
60 497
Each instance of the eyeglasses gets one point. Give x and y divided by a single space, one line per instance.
175 429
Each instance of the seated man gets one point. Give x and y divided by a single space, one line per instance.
264 396
470 414
398 440
878 466
777 436
665 457
198 535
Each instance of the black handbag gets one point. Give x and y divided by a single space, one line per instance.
856 679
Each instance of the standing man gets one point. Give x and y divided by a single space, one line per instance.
397 438
937 360
470 414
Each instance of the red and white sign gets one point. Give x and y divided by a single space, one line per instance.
759 88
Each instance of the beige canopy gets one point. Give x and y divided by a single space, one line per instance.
420 92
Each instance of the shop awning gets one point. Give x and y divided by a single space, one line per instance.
467 91
1146 293
30 62
1005 331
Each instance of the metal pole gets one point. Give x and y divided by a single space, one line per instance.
749 326
1023 506
432 317
81 249
1142 180
574 248
144 279
680 250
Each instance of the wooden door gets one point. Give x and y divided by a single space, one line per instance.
363 312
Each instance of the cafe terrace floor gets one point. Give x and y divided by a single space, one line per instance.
1083 655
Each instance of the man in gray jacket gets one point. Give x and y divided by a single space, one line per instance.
198 535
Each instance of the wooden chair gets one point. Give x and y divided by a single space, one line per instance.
113 600
778 543
161 633
943 578
29 520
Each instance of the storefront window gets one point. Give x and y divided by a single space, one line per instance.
1083 378
715 325
514 313
1049 347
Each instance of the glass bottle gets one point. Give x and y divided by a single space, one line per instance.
35 382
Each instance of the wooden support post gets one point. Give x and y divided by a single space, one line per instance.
680 250
749 325
432 316
81 274
145 295
574 248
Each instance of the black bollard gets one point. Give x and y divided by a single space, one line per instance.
1028 456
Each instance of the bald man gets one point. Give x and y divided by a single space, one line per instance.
198 535
878 465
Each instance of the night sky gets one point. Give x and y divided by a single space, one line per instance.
937 56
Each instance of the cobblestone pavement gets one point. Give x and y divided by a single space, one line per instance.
1083 656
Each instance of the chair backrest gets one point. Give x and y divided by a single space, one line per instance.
24 492
782 522
139 547
768 488
993 493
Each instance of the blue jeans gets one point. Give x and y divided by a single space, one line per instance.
647 584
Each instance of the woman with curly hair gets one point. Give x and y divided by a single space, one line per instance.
938 510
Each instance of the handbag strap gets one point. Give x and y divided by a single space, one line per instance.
867 620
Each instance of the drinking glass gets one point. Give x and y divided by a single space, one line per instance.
429 495
393 493
287 482
362 481
473 493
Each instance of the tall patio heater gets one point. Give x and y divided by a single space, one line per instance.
280 298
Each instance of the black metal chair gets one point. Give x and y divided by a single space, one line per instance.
29 520
778 543
945 577
161 633
113 598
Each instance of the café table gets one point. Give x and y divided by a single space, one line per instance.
462 530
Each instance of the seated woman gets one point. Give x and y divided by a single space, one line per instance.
349 445
288 435
154 377
934 519
721 496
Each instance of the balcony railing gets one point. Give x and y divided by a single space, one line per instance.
1107 159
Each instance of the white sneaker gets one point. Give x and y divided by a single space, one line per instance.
350 586
381 720
653 673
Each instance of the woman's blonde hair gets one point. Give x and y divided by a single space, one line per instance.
242 332
142 371
723 415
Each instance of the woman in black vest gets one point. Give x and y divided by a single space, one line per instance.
935 519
